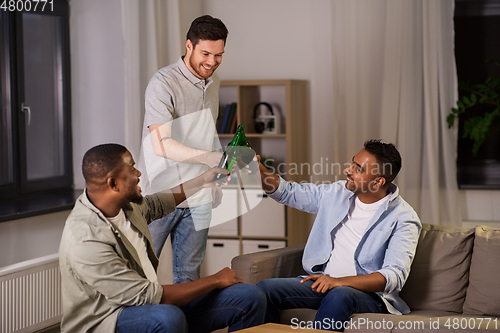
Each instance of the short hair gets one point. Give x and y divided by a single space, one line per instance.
387 157
98 161
206 27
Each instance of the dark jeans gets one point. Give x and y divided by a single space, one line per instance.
239 306
334 307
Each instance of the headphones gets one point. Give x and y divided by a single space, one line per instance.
260 126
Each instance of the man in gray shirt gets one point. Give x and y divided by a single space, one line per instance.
178 143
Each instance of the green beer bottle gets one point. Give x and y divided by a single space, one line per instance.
238 151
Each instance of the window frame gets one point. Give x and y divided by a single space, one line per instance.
481 171
20 186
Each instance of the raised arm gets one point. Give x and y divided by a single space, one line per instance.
304 197
165 146
270 181
185 190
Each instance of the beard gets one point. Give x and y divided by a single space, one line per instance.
135 196
199 71
137 199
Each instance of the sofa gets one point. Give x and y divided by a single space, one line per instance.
453 285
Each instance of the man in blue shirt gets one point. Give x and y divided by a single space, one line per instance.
360 248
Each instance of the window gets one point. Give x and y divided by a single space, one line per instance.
35 137
477 24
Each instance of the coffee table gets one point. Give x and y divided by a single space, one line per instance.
275 328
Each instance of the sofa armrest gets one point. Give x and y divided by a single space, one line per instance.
280 263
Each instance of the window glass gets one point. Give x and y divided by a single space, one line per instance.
43 91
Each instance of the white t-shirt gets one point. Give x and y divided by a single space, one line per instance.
346 239
138 241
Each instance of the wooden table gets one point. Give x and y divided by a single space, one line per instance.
275 328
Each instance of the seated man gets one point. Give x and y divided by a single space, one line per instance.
108 264
361 245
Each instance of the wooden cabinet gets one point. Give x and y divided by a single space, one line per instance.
267 224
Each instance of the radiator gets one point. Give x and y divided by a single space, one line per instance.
30 294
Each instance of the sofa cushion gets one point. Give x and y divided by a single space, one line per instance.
440 270
483 293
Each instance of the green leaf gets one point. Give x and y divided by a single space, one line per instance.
466 100
455 111
451 120
478 130
460 105
473 98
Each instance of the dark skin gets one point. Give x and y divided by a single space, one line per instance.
364 179
121 186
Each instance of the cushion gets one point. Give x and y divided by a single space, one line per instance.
440 270
483 293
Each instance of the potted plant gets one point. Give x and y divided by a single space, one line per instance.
479 125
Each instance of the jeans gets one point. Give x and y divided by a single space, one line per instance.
152 319
239 306
334 307
188 244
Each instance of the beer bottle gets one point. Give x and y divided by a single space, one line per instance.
238 151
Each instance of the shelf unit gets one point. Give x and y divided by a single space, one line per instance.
278 226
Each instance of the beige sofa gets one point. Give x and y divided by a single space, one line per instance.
453 286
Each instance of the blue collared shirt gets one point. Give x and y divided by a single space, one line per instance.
387 246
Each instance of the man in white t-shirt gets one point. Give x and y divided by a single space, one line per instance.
360 248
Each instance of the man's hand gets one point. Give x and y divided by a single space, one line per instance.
216 196
370 283
226 278
212 158
207 178
185 190
183 293
323 283
270 181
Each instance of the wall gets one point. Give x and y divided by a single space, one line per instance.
31 237
279 39
290 39
97 77
97 116
481 207
282 39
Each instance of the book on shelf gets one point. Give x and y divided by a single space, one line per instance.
220 115
225 116
232 115
234 123
228 120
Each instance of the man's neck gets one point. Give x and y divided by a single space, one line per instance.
107 206
371 197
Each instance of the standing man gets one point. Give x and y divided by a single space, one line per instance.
360 248
182 103
108 266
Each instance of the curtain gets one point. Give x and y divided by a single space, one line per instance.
154 36
153 39
395 80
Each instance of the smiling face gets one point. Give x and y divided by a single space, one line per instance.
204 58
127 180
363 175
